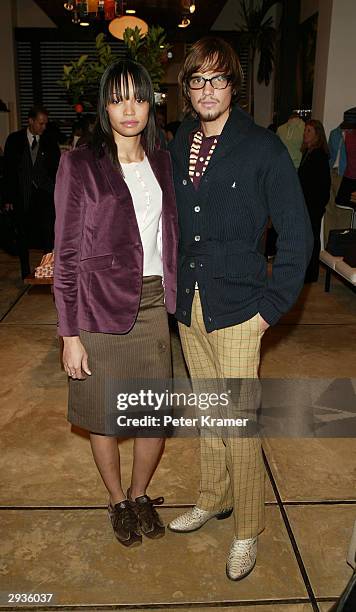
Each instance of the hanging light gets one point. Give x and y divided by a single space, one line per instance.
192 7
82 7
109 9
118 26
184 23
92 6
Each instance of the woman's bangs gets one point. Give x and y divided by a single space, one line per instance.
142 87
118 86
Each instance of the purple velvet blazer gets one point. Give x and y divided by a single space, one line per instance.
98 251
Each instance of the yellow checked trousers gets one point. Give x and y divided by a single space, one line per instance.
232 470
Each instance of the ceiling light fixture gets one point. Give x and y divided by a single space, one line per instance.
93 6
192 7
86 11
118 26
76 18
184 23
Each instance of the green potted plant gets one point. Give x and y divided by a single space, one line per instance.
81 77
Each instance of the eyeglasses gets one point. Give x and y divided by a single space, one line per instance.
217 82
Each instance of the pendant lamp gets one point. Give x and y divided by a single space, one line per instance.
118 26
109 9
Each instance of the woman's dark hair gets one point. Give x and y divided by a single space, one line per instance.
320 140
116 78
210 53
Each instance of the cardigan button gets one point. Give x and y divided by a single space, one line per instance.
192 265
196 208
196 238
184 313
187 290
184 181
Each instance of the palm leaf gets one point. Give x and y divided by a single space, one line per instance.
266 47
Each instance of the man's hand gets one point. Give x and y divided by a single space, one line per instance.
263 324
75 358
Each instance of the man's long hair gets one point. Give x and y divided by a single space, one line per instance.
210 54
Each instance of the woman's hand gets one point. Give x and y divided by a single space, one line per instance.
75 358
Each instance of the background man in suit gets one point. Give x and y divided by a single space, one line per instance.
230 177
30 164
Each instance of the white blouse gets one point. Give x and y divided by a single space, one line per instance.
146 195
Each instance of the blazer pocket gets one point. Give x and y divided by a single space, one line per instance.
95 264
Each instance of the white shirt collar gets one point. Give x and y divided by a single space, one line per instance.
30 137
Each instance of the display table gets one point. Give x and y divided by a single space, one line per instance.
337 265
32 280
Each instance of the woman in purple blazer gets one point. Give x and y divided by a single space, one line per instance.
115 279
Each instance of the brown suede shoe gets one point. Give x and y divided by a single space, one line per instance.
148 517
125 523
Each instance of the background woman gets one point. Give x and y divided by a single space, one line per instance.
314 174
116 237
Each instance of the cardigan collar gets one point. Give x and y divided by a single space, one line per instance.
235 130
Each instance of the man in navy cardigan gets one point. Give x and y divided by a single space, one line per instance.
230 177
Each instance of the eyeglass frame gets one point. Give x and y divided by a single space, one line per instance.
228 80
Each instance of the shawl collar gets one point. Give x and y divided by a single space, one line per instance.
235 130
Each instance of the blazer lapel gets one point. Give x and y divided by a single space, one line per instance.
161 168
156 168
115 180
119 189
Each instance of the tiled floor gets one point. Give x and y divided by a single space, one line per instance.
55 535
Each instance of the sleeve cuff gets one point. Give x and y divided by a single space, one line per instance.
269 312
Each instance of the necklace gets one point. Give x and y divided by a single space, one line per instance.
194 154
144 187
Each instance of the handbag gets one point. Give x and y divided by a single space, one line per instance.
342 243
46 267
346 190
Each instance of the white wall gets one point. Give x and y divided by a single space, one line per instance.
335 72
7 63
30 15
308 8
14 13
230 20
230 17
